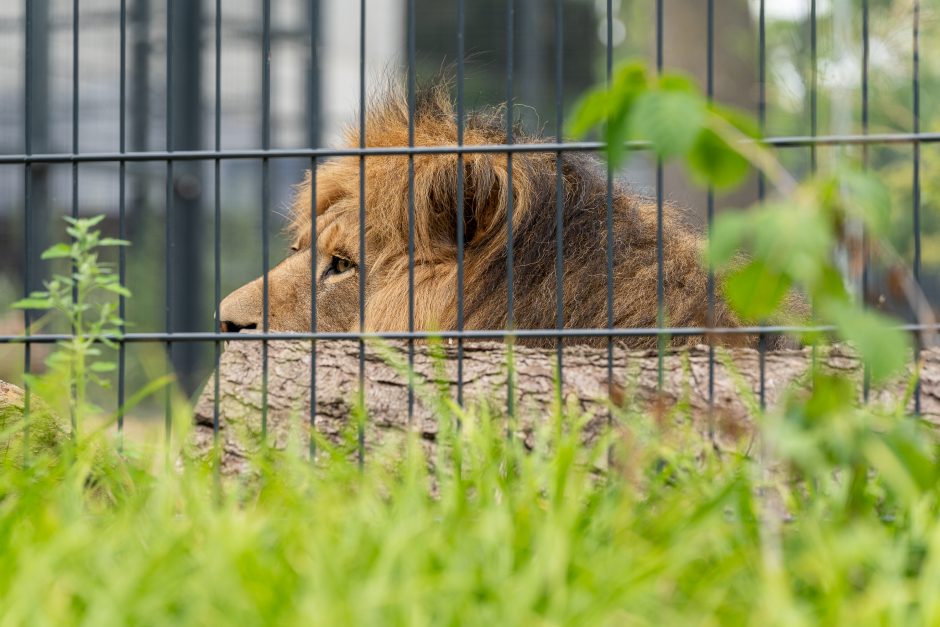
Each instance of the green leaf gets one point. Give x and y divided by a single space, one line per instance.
830 396
740 120
111 241
914 460
756 291
108 342
615 136
117 288
629 83
829 284
58 251
677 83
103 366
792 238
729 231
670 120
713 162
59 359
33 302
611 108
882 347
591 111
630 73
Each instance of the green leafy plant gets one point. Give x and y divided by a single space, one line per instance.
77 297
670 113
847 463
767 255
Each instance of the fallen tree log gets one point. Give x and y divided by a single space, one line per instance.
636 385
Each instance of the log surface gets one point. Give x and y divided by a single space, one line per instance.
685 378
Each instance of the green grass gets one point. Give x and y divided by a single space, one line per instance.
844 532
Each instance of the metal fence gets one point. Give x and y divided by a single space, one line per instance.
176 156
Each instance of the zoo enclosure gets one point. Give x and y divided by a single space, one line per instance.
180 160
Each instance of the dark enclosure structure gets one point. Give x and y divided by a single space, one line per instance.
216 108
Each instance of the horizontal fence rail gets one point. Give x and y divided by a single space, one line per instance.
465 334
796 141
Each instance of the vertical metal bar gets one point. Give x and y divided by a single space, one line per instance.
411 206
610 230
660 279
313 129
510 202
362 226
866 375
866 51
122 227
460 200
217 221
27 217
761 183
265 201
140 102
814 82
916 166
762 363
532 63
710 210
75 111
168 237
312 444
187 188
559 193
762 87
39 121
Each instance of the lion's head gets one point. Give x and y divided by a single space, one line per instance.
330 252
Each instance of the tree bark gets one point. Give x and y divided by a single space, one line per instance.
46 430
636 386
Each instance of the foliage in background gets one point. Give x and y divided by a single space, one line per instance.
838 93
790 241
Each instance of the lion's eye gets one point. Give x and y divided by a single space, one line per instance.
340 265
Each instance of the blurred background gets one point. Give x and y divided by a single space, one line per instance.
315 91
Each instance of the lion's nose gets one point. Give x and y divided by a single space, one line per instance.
233 327
240 310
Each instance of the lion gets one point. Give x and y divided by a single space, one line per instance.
487 190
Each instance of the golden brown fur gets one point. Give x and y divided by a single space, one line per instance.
486 195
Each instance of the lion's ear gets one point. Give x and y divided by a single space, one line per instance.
484 194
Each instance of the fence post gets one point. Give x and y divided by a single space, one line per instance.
188 310
39 134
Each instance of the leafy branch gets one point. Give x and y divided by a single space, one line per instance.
788 242
77 297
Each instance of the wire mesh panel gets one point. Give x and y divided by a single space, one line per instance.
186 154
